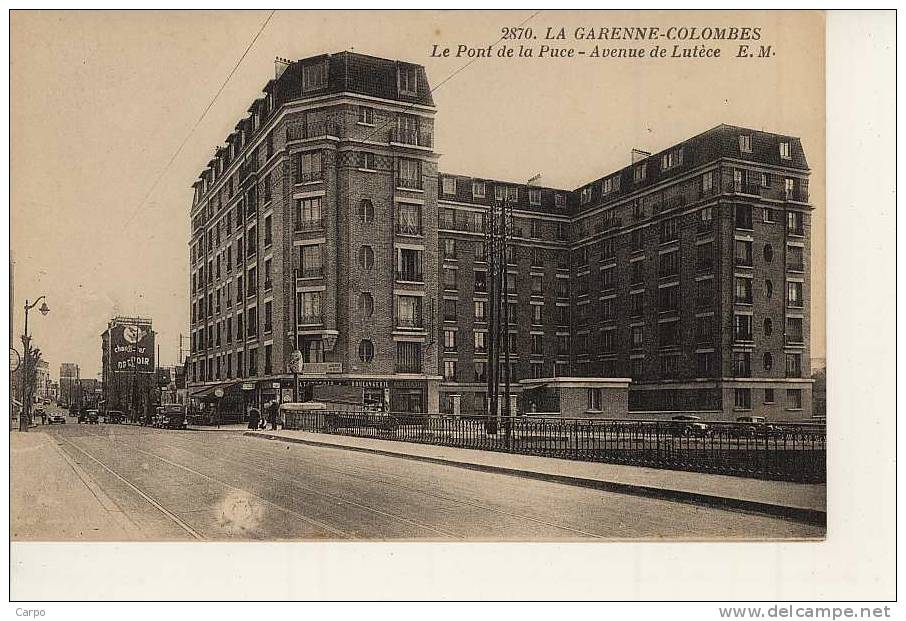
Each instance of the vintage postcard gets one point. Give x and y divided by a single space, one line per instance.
435 276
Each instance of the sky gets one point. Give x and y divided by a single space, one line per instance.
101 101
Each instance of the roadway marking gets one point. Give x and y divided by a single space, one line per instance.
145 496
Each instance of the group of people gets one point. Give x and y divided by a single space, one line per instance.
271 416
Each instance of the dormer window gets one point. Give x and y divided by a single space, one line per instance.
672 159
534 196
449 185
559 200
785 150
639 172
314 77
478 189
745 144
611 184
407 80
585 196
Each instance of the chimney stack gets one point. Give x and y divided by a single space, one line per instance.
638 155
280 65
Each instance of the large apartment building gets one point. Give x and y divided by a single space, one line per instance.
687 271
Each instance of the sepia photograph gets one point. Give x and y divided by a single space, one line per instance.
418 276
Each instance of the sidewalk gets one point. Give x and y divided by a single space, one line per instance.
53 499
798 501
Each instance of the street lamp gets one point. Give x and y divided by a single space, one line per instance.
25 415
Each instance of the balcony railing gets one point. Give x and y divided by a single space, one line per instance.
799 196
795 266
409 228
409 183
412 137
747 188
310 319
309 225
409 322
410 275
316 129
310 176
311 272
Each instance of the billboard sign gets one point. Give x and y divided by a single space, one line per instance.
132 348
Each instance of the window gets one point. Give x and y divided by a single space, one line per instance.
366 304
608 278
534 196
742 328
594 399
512 194
704 257
536 229
478 189
785 150
668 264
795 260
560 200
481 280
708 182
704 364
312 349
794 332
268 316
794 223
742 399
668 334
668 299
636 303
742 364
608 340
450 370
537 257
794 399
745 144
765 180
251 244
409 265
366 350
794 365
769 395
537 369
705 218
253 362
449 310
789 188
450 340
408 357
481 372
769 217
637 239
585 196
670 230
366 210
607 312
449 279
268 232
409 219
744 217
366 115
481 342
744 253
768 327
309 167
669 366
767 361
639 172
449 185
310 261
308 305
449 248
611 184
704 329
410 174
407 79
367 161
672 159
366 257
743 291
794 294
314 77
479 306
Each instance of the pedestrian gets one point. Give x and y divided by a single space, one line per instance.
253 418
272 415
43 417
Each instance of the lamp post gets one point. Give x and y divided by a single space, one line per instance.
25 415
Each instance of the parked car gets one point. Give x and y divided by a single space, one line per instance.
171 416
114 417
755 426
688 425
89 417
56 417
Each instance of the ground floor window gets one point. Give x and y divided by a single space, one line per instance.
408 400
743 398
794 399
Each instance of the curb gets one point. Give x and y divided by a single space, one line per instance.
797 514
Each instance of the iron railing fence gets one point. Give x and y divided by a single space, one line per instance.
786 451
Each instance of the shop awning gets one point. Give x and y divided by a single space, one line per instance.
207 392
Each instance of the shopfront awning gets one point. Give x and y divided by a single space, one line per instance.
203 393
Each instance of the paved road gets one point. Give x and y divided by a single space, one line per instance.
176 485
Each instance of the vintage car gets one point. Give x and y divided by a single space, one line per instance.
89 417
688 425
56 417
170 417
